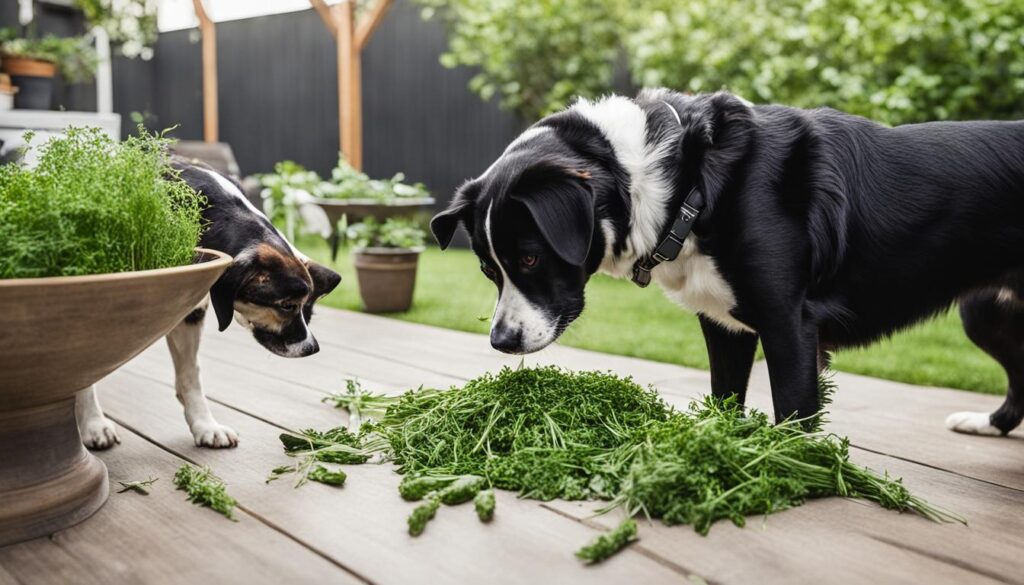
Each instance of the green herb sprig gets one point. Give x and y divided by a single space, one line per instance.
313 447
609 543
205 489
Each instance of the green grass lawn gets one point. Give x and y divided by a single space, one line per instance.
623 319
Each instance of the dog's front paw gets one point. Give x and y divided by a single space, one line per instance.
213 434
972 423
99 433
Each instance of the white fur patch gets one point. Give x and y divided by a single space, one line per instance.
519 141
230 187
96 430
1008 296
183 341
972 423
691 280
624 124
514 311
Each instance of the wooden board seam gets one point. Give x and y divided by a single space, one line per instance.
256 516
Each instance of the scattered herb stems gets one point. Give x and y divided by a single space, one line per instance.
139 487
205 489
609 543
549 433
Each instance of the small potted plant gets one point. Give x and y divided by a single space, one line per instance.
385 256
7 91
32 63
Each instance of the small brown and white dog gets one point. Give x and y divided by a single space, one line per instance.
270 289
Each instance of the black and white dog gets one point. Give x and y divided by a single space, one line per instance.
810 230
270 288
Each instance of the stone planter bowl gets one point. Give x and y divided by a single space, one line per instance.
57 336
356 210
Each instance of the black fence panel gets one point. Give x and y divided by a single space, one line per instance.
278 89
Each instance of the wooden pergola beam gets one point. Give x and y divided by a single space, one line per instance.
370 23
208 31
350 39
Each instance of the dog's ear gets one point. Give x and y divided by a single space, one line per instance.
324 279
225 290
717 134
444 224
562 204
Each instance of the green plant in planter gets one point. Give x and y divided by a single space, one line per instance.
75 58
290 185
393 233
348 183
95 206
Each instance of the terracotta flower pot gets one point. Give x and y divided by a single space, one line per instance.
387 278
60 335
34 79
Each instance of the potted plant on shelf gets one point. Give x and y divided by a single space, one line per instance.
32 63
351 196
97 261
7 91
385 256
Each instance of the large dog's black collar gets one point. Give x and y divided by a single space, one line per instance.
671 245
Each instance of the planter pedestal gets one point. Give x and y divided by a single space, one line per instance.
49 480
60 335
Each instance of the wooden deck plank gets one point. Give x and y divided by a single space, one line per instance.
797 551
363 524
868 542
161 538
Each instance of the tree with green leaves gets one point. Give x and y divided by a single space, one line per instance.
895 61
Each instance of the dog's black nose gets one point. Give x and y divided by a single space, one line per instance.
507 340
312 347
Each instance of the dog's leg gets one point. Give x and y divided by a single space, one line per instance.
731 355
791 350
183 342
97 431
994 321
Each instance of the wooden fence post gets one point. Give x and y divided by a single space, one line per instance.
209 33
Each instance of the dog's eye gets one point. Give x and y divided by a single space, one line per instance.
288 307
529 260
487 270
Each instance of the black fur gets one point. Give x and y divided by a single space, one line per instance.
195 317
832 231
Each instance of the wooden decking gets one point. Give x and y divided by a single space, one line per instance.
357 534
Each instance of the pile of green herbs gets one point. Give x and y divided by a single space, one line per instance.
92 205
549 433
